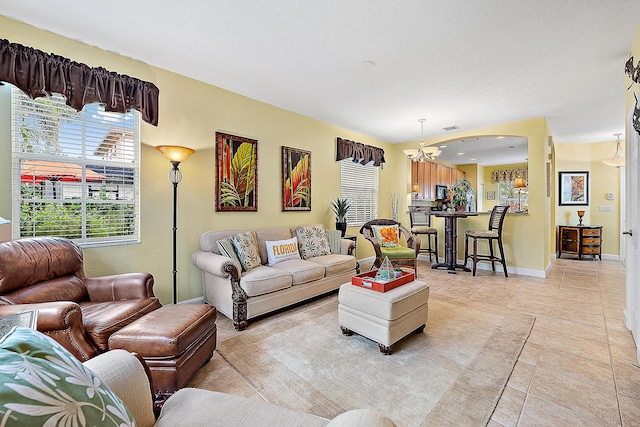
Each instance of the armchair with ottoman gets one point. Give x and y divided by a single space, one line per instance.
89 316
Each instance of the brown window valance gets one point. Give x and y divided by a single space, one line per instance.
498 175
40 74
359 152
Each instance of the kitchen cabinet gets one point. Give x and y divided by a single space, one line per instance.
428 174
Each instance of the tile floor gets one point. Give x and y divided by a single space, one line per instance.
577 367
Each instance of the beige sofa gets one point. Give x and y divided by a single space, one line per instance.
243 295
123 373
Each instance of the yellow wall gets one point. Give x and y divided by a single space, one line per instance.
190 113
602 180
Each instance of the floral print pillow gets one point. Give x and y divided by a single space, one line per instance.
387 235
41 383
312 241
247 250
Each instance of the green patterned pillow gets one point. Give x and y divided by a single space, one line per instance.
226 248
247 250
41 383
312 240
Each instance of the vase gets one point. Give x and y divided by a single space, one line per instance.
461 208
342 226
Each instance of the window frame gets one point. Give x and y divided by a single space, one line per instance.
107 203
360 185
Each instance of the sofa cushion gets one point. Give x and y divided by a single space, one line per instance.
302 271
264 279
387 235
185 408
247 250
335 263
398 252
313 241
101 319
282 250
226 248
41 383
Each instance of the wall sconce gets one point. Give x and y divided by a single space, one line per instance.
176 155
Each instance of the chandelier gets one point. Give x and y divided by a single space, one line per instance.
618 158
423 153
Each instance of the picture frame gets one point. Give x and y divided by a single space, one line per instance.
491 195
296 179
237 173
573 188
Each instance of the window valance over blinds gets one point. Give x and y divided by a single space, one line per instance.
40 74
498 175
359 152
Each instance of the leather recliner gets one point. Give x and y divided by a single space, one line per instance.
46 274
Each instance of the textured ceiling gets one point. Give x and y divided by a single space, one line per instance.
467 63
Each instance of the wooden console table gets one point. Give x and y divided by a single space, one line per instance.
580 240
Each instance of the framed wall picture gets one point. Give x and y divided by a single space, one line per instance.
574 188
237 173
491 195
296 179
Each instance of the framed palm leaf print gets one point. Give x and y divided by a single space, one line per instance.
296 179
237 173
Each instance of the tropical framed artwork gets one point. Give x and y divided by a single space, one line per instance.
296 179
574 188
237 173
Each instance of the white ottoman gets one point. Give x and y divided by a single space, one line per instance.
384 317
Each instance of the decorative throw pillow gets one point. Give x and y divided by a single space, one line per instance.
225 246
281 250
41 383
247 250
387 235
335 241
313 241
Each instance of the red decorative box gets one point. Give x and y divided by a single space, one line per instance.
368 280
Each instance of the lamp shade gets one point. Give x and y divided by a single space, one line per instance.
175 153
415 188
519 183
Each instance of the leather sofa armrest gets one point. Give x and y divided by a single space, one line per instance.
120 287
60 320
125 374
215 264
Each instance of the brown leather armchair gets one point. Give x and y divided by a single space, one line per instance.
46 274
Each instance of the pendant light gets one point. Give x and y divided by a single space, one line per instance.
618 158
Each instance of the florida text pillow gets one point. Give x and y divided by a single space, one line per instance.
281 250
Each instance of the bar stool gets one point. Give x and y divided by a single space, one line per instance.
494 233
421 224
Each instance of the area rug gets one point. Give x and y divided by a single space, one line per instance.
453 373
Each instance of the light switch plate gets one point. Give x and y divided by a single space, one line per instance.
605 208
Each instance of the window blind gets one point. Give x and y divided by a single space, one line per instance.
359 184
75 174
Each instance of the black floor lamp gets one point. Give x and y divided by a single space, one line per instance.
176 155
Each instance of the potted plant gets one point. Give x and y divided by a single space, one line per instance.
340 206
460 192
